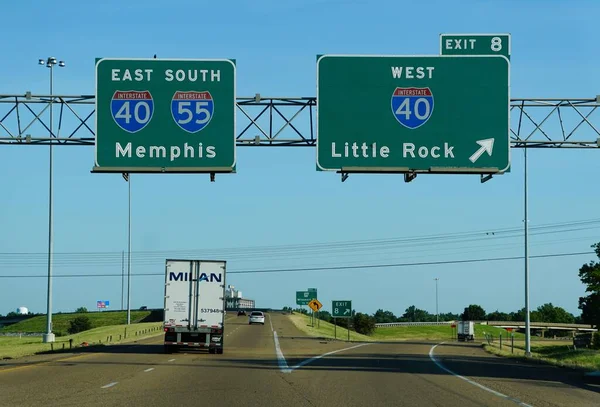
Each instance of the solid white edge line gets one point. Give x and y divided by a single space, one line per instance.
149 369
109 385
307 361
504 396
283 366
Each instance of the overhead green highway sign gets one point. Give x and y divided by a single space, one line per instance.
165 115
433 114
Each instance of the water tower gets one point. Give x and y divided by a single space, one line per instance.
22 311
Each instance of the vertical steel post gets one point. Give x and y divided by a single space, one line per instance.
129 253
122 278
526 221
48 337
437 319
334 328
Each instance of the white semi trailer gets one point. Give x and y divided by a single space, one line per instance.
194 306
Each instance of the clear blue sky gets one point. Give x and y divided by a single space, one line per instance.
277 197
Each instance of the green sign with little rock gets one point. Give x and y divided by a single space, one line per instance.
431 114
165 115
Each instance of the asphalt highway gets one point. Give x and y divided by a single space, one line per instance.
277 365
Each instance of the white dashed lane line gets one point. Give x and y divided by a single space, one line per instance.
151 368
232 331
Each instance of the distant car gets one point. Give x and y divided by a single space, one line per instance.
256 317
143 308
241 312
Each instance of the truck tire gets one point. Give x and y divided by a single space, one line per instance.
219 351
212 351
168 349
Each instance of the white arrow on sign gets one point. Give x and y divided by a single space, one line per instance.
486 145
347 311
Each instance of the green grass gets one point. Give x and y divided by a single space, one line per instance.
12 347
60 322
413 332
398 333
552 352
435 332
325 330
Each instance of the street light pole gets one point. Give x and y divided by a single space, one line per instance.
526 232
49 336
437 315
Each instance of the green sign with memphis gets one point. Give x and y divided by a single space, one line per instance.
430 114
165 115
475 44
341 309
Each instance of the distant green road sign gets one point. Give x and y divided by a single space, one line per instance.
341 309
165 115
436 114
475 44
303 297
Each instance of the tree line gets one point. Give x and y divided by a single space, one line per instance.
589 274
544 313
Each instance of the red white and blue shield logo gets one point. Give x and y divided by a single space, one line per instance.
132 109
192 111
412 107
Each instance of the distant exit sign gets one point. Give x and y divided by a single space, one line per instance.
341 309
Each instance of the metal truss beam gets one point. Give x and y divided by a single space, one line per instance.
290 121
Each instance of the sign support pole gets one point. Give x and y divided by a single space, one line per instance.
129 251
526 222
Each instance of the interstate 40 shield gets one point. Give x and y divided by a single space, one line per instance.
412 107
132 110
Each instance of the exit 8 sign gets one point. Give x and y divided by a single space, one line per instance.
475 44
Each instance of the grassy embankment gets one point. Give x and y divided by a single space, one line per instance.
393 333
558 353
107 327
60 322
325 330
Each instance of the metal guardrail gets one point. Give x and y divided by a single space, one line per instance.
547 325
498 324
392 324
